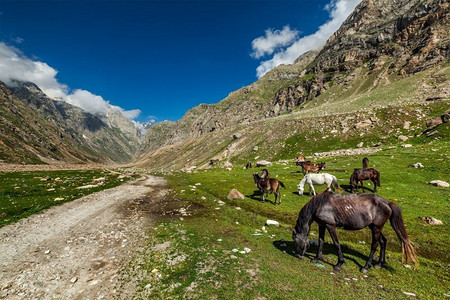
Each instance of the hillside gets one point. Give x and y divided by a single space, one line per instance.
36 129
387 57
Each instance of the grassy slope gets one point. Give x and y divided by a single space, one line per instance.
198 265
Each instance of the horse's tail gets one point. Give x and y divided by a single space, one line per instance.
282 185
336 184
408 252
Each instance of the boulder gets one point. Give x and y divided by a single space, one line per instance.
431 220
263 163
235 194
439 183
272 223
417 165
237 136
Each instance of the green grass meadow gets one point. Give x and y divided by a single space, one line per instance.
198 261
25 193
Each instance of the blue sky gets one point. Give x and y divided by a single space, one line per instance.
160 57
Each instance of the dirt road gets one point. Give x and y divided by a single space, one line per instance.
75 251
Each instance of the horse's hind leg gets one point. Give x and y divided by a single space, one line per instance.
374 184
383 242
321 242
341 260
376 231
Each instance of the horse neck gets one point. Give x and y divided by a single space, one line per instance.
304 220
303 182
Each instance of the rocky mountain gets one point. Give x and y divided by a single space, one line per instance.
387 53
37 129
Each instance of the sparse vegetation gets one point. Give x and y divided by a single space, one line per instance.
25 193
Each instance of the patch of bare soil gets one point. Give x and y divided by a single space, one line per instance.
76 250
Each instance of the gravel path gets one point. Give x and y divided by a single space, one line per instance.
75 251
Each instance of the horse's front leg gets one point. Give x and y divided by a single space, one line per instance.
319 255
375 238
332 231
262 195
311 187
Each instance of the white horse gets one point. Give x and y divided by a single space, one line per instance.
317 179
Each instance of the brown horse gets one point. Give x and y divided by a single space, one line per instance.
351 212
365 163
359 175
266 185
308 166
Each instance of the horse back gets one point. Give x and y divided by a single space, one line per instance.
354 211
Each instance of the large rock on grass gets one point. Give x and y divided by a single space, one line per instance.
235 194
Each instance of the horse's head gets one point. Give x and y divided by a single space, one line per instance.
300 189
300 242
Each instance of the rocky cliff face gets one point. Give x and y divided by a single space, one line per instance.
403 37
36 129
382 37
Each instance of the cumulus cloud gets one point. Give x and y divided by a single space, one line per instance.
274 39
15 66
338 10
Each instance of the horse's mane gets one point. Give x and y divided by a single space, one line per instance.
306 213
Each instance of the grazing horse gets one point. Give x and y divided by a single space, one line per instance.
351 212
248 165
364 174
308 166
266 185
317 179
365 163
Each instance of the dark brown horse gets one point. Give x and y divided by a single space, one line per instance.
351 212
266 185
365 163
359 175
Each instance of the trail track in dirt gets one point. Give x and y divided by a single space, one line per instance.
76 250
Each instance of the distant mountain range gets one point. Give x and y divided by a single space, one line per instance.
37 129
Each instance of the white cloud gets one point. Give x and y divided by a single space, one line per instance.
15 66
339 10
266 45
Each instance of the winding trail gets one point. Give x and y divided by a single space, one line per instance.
75 251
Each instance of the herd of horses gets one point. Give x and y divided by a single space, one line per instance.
348 211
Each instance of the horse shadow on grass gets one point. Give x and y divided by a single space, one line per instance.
348 188
289 248
257 196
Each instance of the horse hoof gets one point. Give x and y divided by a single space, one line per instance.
364 270
377 266
337 268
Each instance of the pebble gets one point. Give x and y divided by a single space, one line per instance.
74 279
409 294
233 257
235 250
247 250
47 251
219 240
